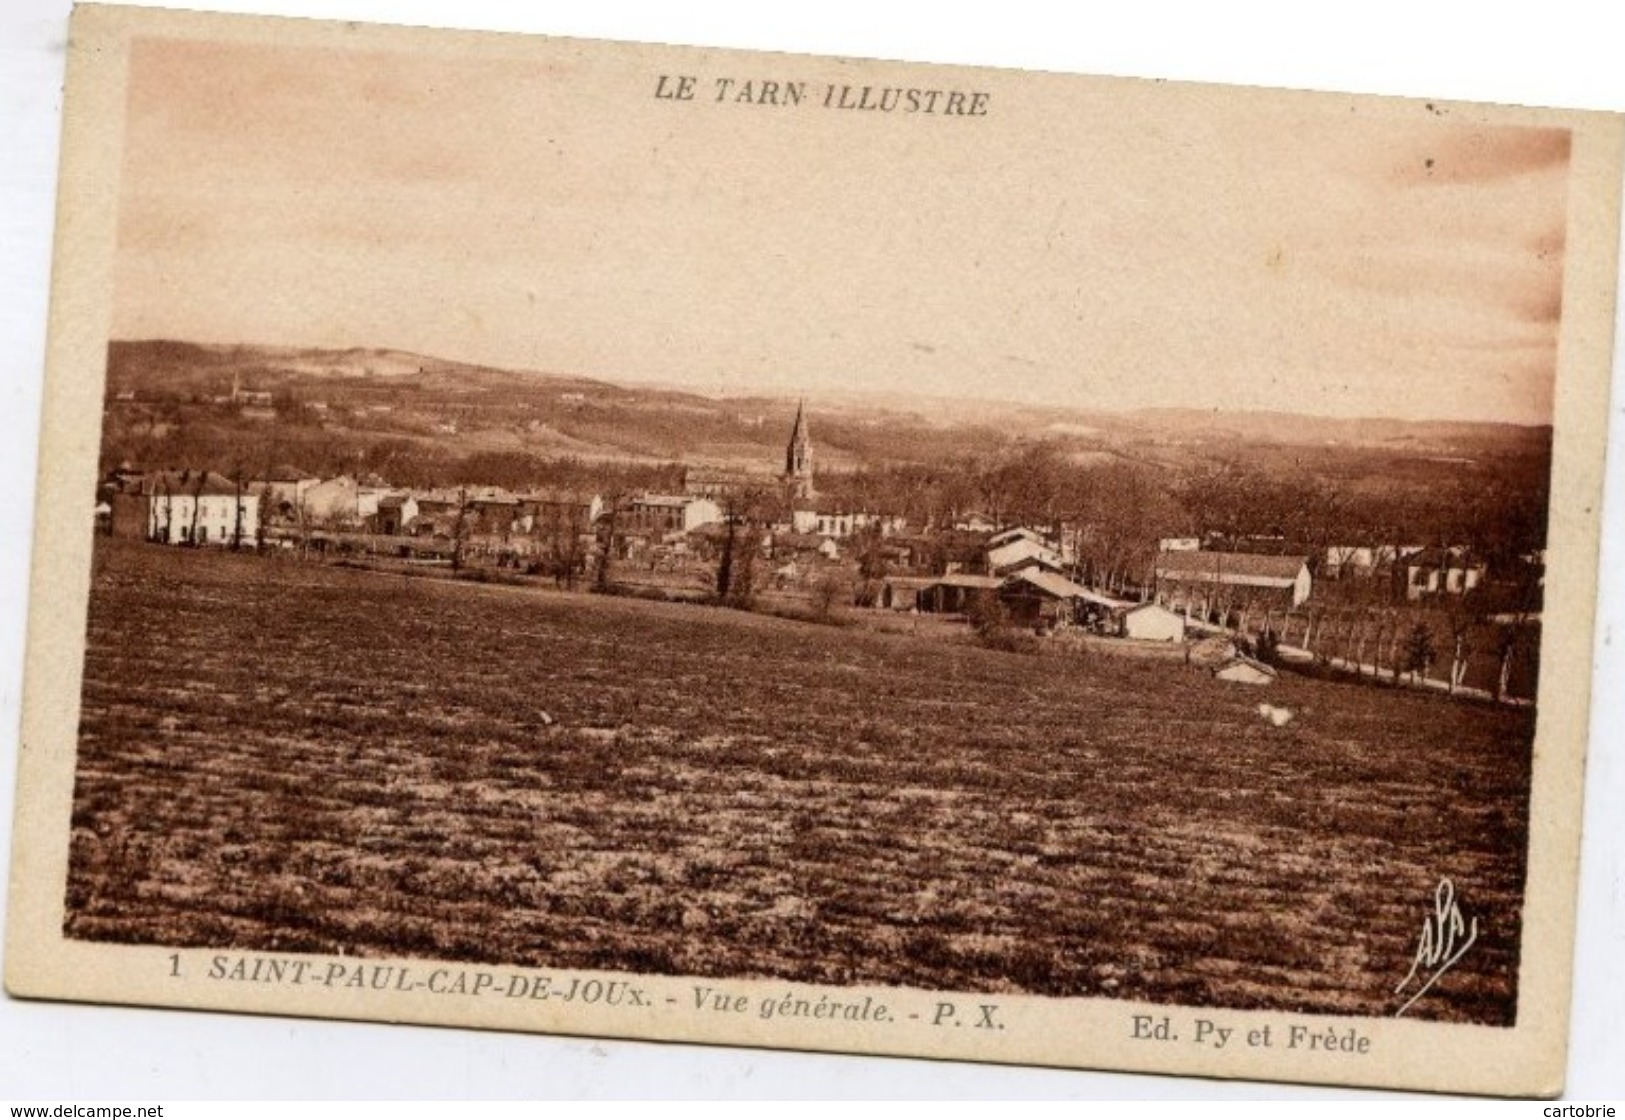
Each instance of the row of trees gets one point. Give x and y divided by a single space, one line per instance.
1444 644
1117 511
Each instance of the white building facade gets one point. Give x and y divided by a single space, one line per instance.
206 510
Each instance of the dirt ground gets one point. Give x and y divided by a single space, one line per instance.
284 755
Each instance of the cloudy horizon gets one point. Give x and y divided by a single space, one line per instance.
1166 246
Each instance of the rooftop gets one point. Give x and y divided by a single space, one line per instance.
1228 566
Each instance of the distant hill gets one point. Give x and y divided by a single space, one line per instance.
1297 428
464 408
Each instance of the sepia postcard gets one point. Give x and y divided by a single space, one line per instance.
811 553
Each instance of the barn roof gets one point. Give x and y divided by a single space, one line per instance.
1020 546
1044 562
557 497
1443 558
1053 585
666 501
438 497
1016 533
1137 608
1232 567
189 482
960 579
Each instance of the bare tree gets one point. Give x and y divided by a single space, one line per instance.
725 561
827 592
1463 623
238 482
560 526
459 529
304 516
161 533
1361 624
1515 631
742 515
608 541
872 564
1419 651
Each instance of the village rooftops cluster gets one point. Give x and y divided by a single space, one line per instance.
1021 567
271 504
722 521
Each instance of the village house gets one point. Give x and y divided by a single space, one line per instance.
281 489
369 491
787 544
668 513
492 525
1019 552
251 398
200 508
783 543
946 550
491 511
540 510
899 554
438 512
122 491
1363 560
124 478
1206 581
828 519
974 522
252 404
332 503
1442 571
396 513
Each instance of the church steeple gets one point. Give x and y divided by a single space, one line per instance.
798 468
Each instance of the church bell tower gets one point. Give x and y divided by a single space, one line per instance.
798 468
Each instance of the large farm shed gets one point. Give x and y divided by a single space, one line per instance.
1212 578
1034 596
953 594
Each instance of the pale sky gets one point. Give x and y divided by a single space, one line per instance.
1089 244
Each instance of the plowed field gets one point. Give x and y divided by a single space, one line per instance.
283 755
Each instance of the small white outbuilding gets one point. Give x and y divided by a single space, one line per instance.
1153 623
1244 670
